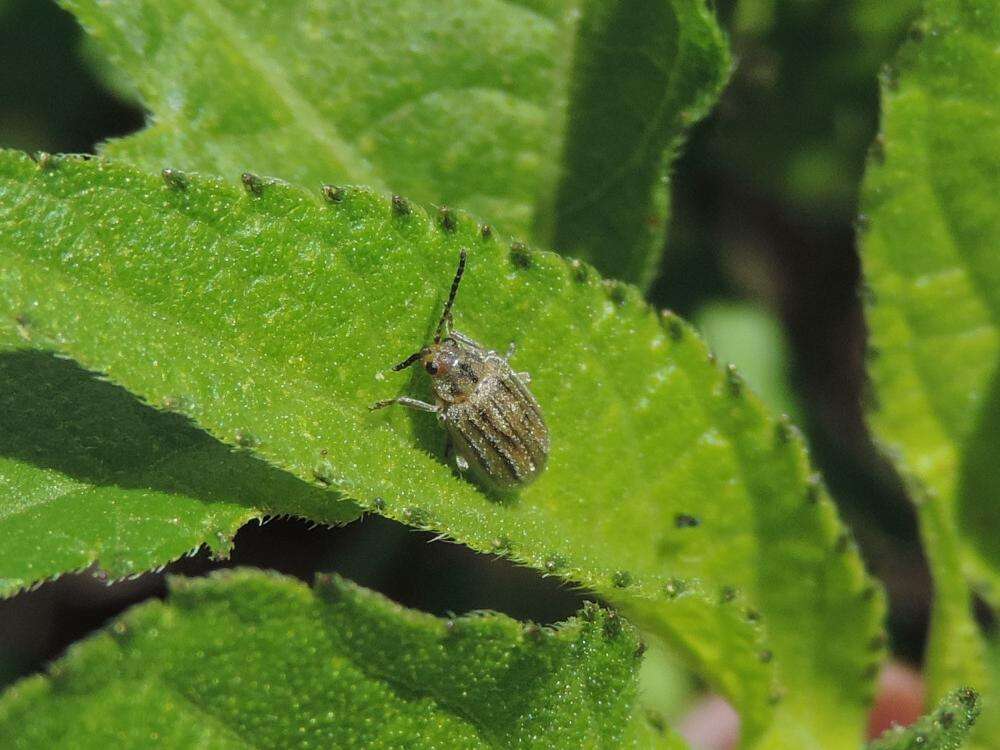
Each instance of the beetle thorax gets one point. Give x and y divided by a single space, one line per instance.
455 372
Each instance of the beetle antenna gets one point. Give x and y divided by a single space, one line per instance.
446 315
408 361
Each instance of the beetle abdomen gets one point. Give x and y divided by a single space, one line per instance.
500 431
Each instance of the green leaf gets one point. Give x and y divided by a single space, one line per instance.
250 659
269 312
931 262
643 73
751 337
489 105
89 475
945 729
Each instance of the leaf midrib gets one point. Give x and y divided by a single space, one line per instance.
642 142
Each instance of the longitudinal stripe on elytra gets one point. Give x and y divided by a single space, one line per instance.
465 438
498 418
468 432
519 440
490 437
488 430
520 394
524 435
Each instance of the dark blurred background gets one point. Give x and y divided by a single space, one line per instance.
760 255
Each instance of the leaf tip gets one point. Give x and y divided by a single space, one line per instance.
621 579
253 184
674 587
814 488
175 179
400 206
844 542
673 324
246 439
447 219
617 291
783 430
417 516
734 381
43 159
520 255
333 193
554 563
501 545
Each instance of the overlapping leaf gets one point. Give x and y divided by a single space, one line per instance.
271 319
502 108
248 659
932 263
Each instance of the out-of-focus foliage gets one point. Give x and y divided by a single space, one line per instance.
932 265
249 659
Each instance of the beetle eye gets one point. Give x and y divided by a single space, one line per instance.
438 366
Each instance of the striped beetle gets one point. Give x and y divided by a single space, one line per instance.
495 425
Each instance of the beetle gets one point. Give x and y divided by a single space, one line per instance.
494 423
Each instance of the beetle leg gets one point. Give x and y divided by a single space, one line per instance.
510 350
405 401
525 377
451 454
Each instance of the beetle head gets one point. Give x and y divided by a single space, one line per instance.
438 360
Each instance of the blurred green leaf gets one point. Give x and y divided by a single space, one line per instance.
666 686
246 658
89 475
643 73
271 318
751 338
932 265
945 729
557 121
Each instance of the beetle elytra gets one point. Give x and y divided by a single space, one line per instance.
495 425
